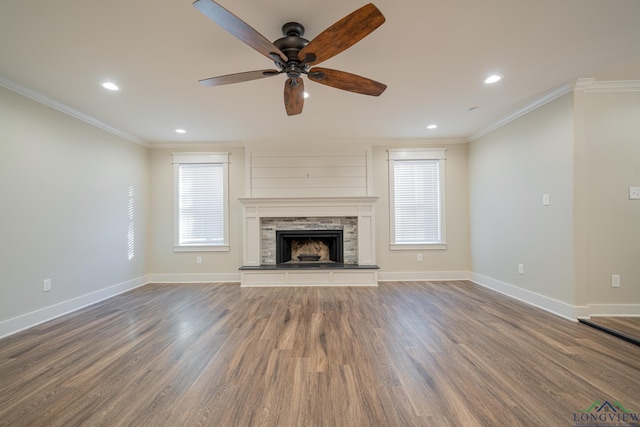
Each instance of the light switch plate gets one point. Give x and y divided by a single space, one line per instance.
634 193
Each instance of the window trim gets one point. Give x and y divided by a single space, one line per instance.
417 154
191 158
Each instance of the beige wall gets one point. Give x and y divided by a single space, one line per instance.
65 193
583 150
612 142
162 260
65 207
509 171
456 257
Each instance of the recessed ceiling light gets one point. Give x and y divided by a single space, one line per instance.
110 86
493 79
432 126
306 95
181 131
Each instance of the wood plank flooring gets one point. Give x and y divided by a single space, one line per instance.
401 354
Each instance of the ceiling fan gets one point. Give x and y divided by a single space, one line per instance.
294 55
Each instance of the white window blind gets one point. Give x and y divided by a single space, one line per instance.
416 198
417 201
201 204
201 201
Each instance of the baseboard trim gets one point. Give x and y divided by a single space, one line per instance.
194 278
551 305
29 320
614 310
419 276
559 308
309 285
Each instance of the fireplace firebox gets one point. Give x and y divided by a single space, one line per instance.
313 246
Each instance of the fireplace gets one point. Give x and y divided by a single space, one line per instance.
354 216
309 246
264 216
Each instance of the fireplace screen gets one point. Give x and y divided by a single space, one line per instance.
315 246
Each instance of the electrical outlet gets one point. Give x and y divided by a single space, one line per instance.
545 200
615 281
46 285
634 193
198 259
419 257
520 268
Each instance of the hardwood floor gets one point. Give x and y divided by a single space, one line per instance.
402 354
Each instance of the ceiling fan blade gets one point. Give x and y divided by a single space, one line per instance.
238 77
294 96
238 28
346 81
343 34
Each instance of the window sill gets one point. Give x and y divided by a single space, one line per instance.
417 246
220 248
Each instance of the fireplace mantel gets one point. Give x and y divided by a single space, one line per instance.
276 204
257 208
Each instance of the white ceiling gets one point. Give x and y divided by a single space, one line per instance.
432 54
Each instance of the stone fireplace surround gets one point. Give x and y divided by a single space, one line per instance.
359 268
270 227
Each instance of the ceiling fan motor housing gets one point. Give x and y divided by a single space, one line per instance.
292 42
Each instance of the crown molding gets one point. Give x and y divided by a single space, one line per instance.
419 141
193 145
583 83
587 84
537 103
591 85
38 97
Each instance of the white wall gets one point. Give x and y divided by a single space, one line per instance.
65 212
307 172
509 171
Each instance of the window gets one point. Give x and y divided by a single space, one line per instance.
416 193
201 201
131 230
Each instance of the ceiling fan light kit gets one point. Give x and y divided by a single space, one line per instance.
294 56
